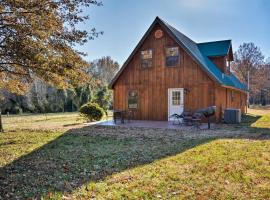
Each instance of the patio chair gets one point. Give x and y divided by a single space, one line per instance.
197 119
177 118
187 118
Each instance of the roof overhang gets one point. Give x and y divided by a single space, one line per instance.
233 88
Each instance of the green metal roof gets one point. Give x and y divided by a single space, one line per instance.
201 56
217 48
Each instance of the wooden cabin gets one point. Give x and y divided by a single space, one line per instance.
169 73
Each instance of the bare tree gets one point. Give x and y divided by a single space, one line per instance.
249 59
104 69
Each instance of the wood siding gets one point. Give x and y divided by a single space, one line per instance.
153 83
223 100
219 61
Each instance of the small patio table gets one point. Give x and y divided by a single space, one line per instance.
188 120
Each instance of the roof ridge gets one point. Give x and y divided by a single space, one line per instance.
214 41
176 30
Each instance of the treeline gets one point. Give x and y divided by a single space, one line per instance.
250 65
43 98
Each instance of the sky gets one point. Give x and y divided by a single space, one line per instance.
124 22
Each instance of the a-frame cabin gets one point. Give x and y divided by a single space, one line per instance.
168 73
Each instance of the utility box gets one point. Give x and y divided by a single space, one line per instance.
232 116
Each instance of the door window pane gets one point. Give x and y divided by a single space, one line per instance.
176 98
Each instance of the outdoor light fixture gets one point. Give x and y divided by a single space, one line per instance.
186 91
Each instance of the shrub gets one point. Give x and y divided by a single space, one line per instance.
92 111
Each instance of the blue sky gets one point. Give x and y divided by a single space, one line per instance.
125 21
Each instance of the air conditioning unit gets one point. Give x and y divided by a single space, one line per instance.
232 116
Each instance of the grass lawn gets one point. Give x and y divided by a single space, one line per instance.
43 158
49 121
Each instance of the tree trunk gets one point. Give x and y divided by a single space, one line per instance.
1 125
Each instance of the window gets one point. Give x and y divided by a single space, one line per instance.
228 66
176 98
146 58
172 56
133 99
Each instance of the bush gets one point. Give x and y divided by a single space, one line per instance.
92 111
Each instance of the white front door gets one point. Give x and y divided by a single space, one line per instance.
175 101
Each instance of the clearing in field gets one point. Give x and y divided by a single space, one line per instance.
42 157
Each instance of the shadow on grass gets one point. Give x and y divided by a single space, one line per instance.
72 124
82 155
253 124
248 119
91 154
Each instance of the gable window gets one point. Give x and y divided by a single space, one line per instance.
172 56
147 58
228 66
133 99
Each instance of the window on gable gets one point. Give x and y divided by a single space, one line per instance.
228 66
172 56
147 58
133 99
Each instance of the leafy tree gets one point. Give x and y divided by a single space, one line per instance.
103 98
37 40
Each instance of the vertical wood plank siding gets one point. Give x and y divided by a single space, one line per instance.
220 62
152 84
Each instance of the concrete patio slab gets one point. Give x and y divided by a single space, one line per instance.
152 124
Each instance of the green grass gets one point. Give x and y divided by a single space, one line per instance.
221 169
41 158
49 121
42 121
263 122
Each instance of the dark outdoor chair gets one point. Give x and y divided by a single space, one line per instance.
177 119
187 118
